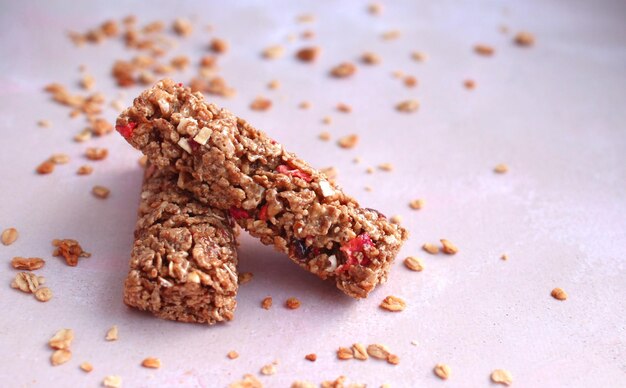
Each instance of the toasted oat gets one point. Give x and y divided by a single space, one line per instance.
419 56
232 355
245 277
484 50
430 248
349 141
442 371
112 382
370 58
344 353
27 263
292 303
70 250
219 46
448 247
396 219
339 383
87 82
101 192
524 39
304 105
86 367
375 8
44 123
504 257
416 204
180 62
182 27
324 136
327 120
112 334
344 108
43 294
60 356
94 153
391 35
268 369
9 236
501 376
385 167
308 54
151 362
343 70
311 357
83 135
84 170
273 84
369 170
45 168
469 84
408 106
273 52
267 302
26 282
62 339
261 104
414 264
393 303
359 351
378 351
501 168
559 294
410 81
249 381
393 359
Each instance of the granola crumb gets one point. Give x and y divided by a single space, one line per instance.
273 84
559 294
292 303
269 369
94 153
305 18
393 359
359 351
266 303
357 160
112 382
182 27
84 170
151 362
86 367
385 167
431 248
343 70
62 339
414 264
304 105
396 219
442 371
368 188
349 141
378 351
524 39
245 277
27 263
416 204
410 81
501 376
311 357
143 161
232 355
112 334
390 35
219 46
101 192
261 104
43 294
273 52
44 123
45 168
308 54
484 50
82 136
60 158
375 8
393 304
501 168
70 250
369 170
469 84
344 353
327 120
397 74
344 108
419 56
408 106
504 257
9 236
60 356
324 136
87 82
448 247
248 381
370 58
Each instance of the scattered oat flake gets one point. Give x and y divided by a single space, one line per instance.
448 247
292 303
267 302
393 303
442 371
9 236
416 204
431 248
501 376
245 277
273 52
419 56
324 136
43 294
151 362
311 357
101 192
524 39
484 50
304 105
359 351
391 35
112 334
308 54
408 106
112 382
249 381
375 8
385 167
27 263
378 351
26 282
369 170
232 355
268 369
60 356
44 123
84 170
559 294
261 104
45 168
414 264
62 339
348 141
344 353
344 108
327 120
370 58
501 169
393 359
70 250
86 367
343 70
94 153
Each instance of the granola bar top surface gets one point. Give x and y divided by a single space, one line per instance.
275 196
184 261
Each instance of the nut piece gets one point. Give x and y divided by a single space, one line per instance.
62 339
359 351
343 70
484 50
60 356
524 39
9 236
393 303
348 141
442 371
344 353
43 294
100 192
408 106
501 376
430 248
232 355
416 204
112 334
559 294
501 169
267 302
85 366
27 263
151 362
448 247
414 264
95 153
308 54
112 382
292 303
311 357
378 351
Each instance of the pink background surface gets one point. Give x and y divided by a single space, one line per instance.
554 113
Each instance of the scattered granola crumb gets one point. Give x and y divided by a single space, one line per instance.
261 104
357 160
307 34
414 264
273 52
416 204
343 70
43 294
151 362
385 167
305 18
397 74
45 168
304 105
249 381
360 352
501 376
86 367
112 334
391 35
368 188
369 170
87 82
44 123
232 355
27 263
410 81
524 39
408 106
501 169
26 282
273 84
82 136
393 359
393 303
60 356
419 56
311 357
370 58
182 27
348 141
9 236
344 353
94 153
327 120
396 219
308 54
469 84
504 257
442 371
267 302
245 277
60 158
338 383
84 170
268 369
70 250
430 248
112 382
292 303
62 339
559 294
344 108
414 343
375 8
448 247
219 46
378 351
484 50
101 192
324 136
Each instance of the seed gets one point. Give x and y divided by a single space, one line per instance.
430 248
501 376
414 264
448 247
267 302
359 351
273 52
9 236
151 362
348 141
344 353
559 294
43 294
60 356
393 303
100 192
85 366
378 351
292 303
62 339
442 371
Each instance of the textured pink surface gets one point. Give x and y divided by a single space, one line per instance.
554 113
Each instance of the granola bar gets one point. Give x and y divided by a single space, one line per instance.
226 163
183 263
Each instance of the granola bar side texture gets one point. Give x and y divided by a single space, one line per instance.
184 259
275 196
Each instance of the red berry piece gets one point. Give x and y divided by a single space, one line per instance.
237 213
359 244
283 169
126 130
263 213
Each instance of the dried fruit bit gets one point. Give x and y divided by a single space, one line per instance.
469 84
344 353
292 303
126 130
94 153
245 277
359 351
27 263
393 359
348 141
249 381
419 56
431 248
232 355
45 168
370 58
151 362
43 294
70 250
324 136
62 339
378 351
112 334
26 282
86 367
559 294
501 169
268 369
448 247
393 303
283 169
355 251
414 264
416 204
311 357
237 213
308 54
484 50
60 356
112 382
273 52
261 104
9 236
84 170
267 302
100 192
501 376
524 39
343 70
408 106
442 371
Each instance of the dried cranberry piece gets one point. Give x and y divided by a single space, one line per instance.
237 213
357 245
126 130
194 145
299 249
179 84
283 169
263 213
